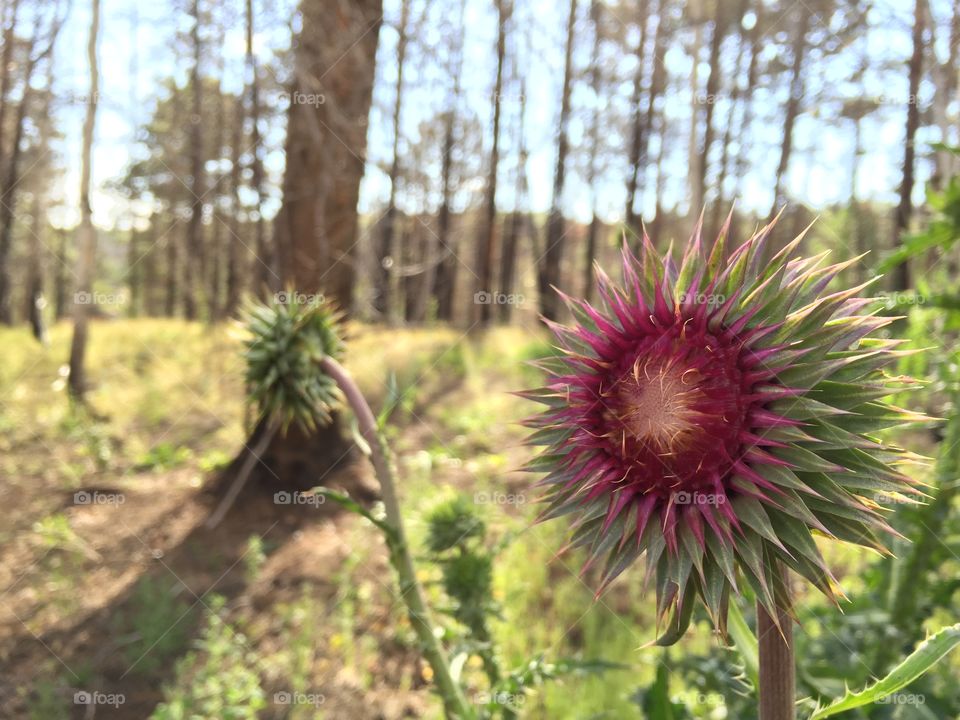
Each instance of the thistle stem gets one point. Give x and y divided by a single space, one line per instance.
454 703
777 673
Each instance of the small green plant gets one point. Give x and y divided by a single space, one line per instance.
160 623
163 456
457 542
218 679
254 558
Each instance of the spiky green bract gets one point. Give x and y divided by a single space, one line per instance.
288 337
711 417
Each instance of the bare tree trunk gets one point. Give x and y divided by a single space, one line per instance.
695 161
553 254
87 234
657 225
595 82
6 57
148 266
792 109
194 245
387 251
713 89
486 243
513 226
946 81
35 271
901 274
735 92
215 255
11 178
235 267
265 276
446 272
62 281
637 134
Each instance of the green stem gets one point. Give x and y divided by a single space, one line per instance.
454 702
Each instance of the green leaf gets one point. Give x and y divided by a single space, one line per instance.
927 654
745 642
348 503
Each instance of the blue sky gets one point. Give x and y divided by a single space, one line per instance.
819 174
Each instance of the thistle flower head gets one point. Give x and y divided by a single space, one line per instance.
287 337
713 417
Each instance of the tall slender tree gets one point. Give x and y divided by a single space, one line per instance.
792 110
265 275
386 250
596 75
193 240
486 243
86 234
38 50
901 274
549 274
638 129
447 242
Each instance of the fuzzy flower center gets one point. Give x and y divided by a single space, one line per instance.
658 404
673 411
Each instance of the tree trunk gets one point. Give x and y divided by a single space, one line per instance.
12 177
215 260
6 57
721 201
387 252
595 81
486 243
713 89
637 133
265 276
553 253
235 267
446 273
792 109
62 281
193 240
34 290
514 226
317 225
87 234
695 160
901 274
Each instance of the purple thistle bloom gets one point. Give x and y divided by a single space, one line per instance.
711 417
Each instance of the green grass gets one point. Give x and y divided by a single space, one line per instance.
168 403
